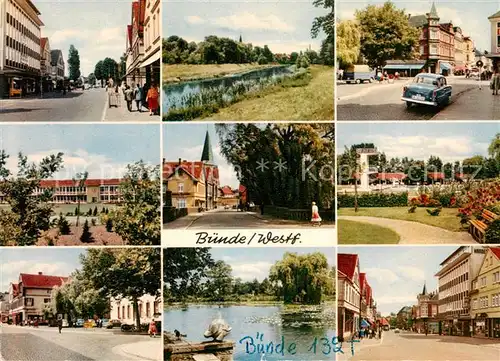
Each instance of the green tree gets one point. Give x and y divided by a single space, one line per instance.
86 236
137 220
262 60
268 54
348 42
63 225
74 63
386 34
109 69
325 22
99 71
95 212
79 182
219 280
9 230
494 147
92 79
30 212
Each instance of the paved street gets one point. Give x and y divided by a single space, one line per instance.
45 343
383 102
76 106
232 219
413 346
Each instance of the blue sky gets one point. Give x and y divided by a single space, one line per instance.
256 262
397 274
177 145
471 16
103 150
282 25
50 261
451 142
96 28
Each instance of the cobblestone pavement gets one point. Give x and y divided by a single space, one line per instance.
44 344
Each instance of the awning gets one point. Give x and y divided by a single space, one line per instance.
404 66
445 66
151 60
365 324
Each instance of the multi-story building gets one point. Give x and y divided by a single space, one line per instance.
349 295
45 65
135 45
485 296
152 41
28 297
4 307
470 52
460 61
437 41
57 64
367 303
494 54
228 197
454 284
193 184
426 312
93 191
123 309
19 47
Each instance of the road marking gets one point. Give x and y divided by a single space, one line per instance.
105 109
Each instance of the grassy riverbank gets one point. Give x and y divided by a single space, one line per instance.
201 302
186 72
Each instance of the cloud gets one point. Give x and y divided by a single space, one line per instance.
250 21
250 271
195 20
388 300
412 273
381 275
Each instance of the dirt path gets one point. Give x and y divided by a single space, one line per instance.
414 232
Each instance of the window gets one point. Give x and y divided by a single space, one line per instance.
118 312
181 203
28 302
433 49
148 309
123 311
128 311
496 277
180 187
140 310
46 300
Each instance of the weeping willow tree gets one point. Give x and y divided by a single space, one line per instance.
305 279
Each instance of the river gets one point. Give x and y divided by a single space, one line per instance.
301 326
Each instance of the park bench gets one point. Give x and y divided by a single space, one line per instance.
477 228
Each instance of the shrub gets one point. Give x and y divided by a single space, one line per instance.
486 196
412 209
95 211
492 234
86 236
103 210
76 211
373 200
63 225
434 212
93 222
262 60
171 213
89 212
109 225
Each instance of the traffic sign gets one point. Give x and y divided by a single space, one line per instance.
479 63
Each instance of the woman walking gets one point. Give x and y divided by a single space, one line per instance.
495 82
315 219
152 99
152 329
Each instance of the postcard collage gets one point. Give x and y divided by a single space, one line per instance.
268 180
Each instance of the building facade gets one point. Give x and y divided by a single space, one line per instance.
485 297
57 64
28 297
460 61
349 295
454 282
426 312
494 54
20 25
228 197
470 52
149 309
135 74
4 307
152 42
45 65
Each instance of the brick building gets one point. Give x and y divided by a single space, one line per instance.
349 295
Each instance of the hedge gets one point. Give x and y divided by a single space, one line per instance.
297 214
492 234
171 213
373 200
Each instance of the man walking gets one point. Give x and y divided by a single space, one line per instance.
59 324
138 97
128 97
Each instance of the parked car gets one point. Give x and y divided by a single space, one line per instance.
106 323
114 323
427 89
396 330
79 322
359 74
226 206
65 323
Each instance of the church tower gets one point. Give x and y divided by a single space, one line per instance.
210 173
207 155
434 39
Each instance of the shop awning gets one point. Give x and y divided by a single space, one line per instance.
151 60
403 66
365 324
445 66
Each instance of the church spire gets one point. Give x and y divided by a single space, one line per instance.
433 14
424 291
207 155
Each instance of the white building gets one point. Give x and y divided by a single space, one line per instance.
495 40
454 284
19 46
135 74
152 41
149 308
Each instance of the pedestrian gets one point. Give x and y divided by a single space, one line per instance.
138 97
495 82
129 97
152 331
59 324
380 333
152 99
315 218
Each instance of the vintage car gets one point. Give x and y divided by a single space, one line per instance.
427 89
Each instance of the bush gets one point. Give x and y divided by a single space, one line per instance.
262 60
109 225
95 211
170 214
93 222
86 236
63 225
89 213
412 209
434 212
369 200
492 234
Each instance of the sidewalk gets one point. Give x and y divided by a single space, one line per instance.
121 113
186 221
144 350
357 346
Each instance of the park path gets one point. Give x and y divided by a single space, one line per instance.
414 232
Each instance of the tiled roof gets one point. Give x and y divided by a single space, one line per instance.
347 264
193 169
418 20
496 251
53 183
54 56
226 190
242 189
15 289
41 280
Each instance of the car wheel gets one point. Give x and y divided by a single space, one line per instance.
408 105
358 81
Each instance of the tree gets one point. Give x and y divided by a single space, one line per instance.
30 212
386 34
74 63
79 182
219 281
494 148
99 71
63 225
123 273
183 270
268 54
137 221
9 230
293 56
95 212
348 42
326 22
122 66
109 69
92 79
262 60
86 236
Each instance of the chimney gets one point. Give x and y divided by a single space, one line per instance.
40 273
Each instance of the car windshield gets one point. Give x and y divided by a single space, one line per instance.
424 80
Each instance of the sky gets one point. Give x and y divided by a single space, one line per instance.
176 145
256 262
471 16
420 140
97 28
51 261
285 26
397 274
104 150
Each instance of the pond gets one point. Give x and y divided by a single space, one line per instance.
180 95
295 325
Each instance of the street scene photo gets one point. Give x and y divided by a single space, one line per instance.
80 60
246 175
74 185
419 303
223 302
418 60
242 60
418 183
80 305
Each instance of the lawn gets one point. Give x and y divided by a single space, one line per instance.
70 208
186 72
363 233
313 101
447 219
